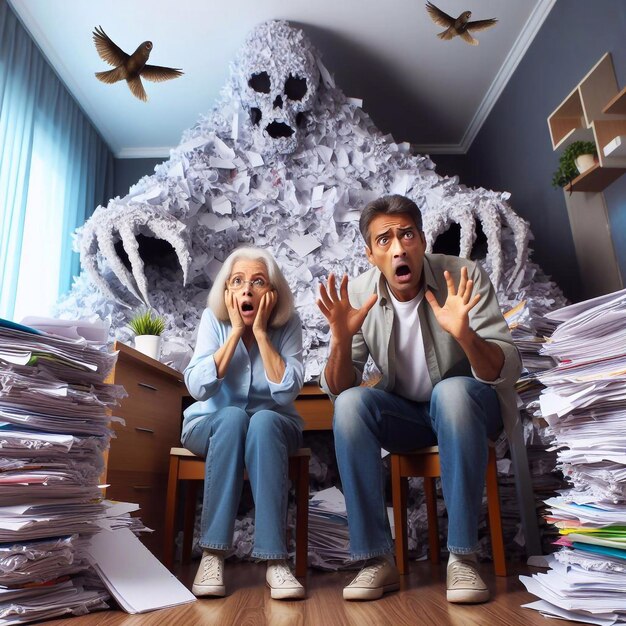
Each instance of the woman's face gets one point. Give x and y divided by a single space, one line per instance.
248 281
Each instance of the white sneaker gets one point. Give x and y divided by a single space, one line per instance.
372 581
209 580
465 584
282 583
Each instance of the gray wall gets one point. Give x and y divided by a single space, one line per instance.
129 171
513 151
615 196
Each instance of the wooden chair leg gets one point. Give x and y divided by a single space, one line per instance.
399 487
189 519
302 517
170 513
430 492
495 518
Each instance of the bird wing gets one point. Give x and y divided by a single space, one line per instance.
438 16
481 24
467 37
157 73
137 89
112 76
108 51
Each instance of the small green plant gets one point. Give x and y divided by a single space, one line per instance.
567 163
147 324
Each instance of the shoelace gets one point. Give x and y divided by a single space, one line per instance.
284 575
462 572
212 568
366 575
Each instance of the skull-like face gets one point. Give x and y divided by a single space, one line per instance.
278 81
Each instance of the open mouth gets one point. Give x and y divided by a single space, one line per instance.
403 273
279 129
246 307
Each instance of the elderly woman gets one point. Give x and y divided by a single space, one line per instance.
245 373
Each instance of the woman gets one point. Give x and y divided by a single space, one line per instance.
245 373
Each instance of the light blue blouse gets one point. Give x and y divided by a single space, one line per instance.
245 383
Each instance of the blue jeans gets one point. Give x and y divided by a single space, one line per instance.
462 415
229 440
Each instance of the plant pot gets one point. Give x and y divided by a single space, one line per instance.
584 162
150 345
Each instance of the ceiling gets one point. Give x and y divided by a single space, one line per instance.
433 93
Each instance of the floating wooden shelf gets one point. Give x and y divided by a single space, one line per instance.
617 105
596 178
584 115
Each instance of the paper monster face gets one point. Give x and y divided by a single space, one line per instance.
279 79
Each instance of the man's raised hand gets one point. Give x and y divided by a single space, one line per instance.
344 320
453 316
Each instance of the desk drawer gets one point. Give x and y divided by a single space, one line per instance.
148 491
142 448
160 400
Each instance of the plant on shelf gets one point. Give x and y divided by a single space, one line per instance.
147 328
567 163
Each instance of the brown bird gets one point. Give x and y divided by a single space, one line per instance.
457 26
130 68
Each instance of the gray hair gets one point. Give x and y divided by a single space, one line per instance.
284 308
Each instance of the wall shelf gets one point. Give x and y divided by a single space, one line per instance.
594 111
596 178
617 105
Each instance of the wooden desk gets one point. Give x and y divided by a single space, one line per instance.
315 408
138 461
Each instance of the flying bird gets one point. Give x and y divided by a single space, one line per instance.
458 26
130 67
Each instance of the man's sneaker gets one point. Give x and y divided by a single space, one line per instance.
465 584
282 583
209 580
372 581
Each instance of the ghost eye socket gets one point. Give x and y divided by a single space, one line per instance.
295 88
260 82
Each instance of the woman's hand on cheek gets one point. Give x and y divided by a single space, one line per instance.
233 312
266 306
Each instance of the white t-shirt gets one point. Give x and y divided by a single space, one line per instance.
412 378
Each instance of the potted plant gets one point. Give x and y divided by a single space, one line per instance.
147 328
578 157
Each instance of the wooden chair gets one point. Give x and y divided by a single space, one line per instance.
184 465
425 463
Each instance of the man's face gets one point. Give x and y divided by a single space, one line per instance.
397 249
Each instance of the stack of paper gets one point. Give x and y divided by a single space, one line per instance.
329 539
53 431
584 403
524 320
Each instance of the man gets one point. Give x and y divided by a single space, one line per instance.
434 329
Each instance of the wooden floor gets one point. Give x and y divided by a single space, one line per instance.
421 600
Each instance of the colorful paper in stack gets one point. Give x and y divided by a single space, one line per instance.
584 403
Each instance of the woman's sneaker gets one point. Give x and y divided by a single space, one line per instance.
209 580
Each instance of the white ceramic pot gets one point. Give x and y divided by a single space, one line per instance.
584 162
150 345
